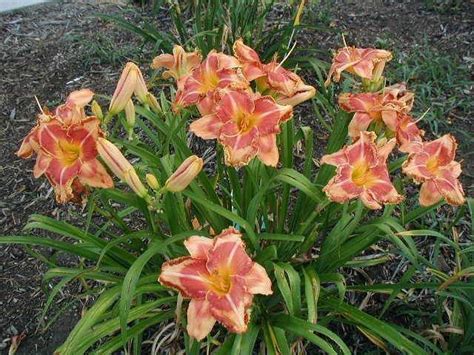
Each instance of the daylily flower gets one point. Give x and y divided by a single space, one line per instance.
217 71
185 174
388 107
433 165
246 124
131 82
362 173
120 166
272 79
368 63
180 64
67 155
220 279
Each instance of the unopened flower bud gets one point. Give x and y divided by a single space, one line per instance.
132 179
130 117
131 81
152 181
97 110
185 173
120 166
153 102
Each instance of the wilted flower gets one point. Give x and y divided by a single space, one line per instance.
272 79
432 164
180 64
120 166
389 108
368 63
67 155
246 124
131 82
408 134
217 71
185 174
73 110
220 279
362 172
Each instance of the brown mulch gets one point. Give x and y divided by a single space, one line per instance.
49 51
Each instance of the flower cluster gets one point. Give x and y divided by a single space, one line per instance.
243 119
381 120
65 144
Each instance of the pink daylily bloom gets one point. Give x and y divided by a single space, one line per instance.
217 71
363 62
362 173
246 124
285 86
432 164
180 64
220 279
65 145
67 155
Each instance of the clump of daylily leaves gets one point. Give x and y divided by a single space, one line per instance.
242 104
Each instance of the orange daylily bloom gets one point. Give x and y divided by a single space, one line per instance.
362 173
368 63
220 279
217 71
432 164
180 64
246 124
285 86
131 82
389 107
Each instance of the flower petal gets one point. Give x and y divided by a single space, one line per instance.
257 280
200 319
268 150
92 173
336 159
239 157
359 123
206 127
41 165
231 309
341 188
444 149
448 184
429 194
187 275
363 150
229 252
199 247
